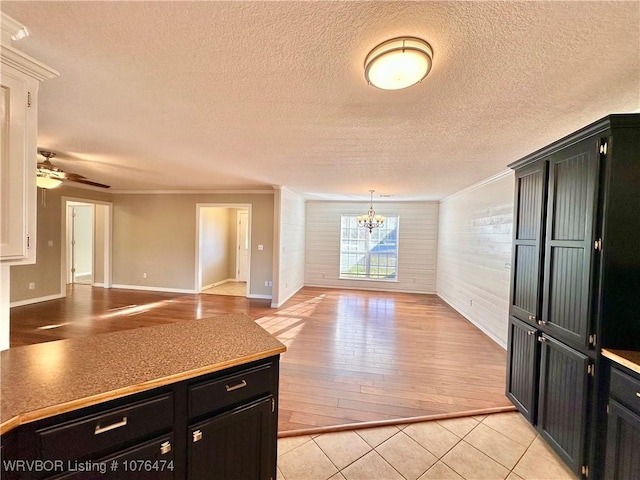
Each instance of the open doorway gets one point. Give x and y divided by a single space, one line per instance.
86 235
223 240
80 244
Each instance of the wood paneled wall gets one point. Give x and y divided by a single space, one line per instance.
417 245
474 253
291 252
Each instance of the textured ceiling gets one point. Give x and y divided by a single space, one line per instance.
245 95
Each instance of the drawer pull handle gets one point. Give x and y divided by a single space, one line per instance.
165 448
197 436
638 394
113 426
242 384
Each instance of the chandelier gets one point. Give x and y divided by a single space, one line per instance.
371 220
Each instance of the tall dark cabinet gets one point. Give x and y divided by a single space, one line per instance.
575 285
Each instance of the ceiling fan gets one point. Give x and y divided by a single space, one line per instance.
49 176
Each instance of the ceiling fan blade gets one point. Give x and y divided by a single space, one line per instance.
89 182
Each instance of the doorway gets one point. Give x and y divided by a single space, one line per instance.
223 248
86 240
80 243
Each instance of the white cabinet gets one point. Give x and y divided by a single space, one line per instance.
20 76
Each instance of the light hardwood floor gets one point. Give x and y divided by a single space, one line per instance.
353 356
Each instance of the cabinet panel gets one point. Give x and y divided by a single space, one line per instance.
562 404
527 247
237 444
623 438
522 367
151 460
569 248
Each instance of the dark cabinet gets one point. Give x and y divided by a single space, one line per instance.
218 425
235 444
574 281
562 405
522 367
623 427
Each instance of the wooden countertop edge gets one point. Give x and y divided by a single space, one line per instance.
618 356
66 407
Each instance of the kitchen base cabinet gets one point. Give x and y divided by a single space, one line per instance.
219 425
623 426
236 444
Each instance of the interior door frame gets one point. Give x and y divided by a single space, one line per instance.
239 242
70 266
65 202
198 267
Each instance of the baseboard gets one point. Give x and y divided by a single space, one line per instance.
279 304
449 302
260 297
370 289
29 301
153 289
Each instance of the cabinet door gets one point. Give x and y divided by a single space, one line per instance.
237 444
623 438
152 460
562 404
531 184
522 367
571 213
17 165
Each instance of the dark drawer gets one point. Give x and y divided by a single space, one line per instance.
626 389
95 433
152 460
226 391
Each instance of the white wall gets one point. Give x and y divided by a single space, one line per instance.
474 253
417 245
289 225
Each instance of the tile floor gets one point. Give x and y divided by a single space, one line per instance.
497 446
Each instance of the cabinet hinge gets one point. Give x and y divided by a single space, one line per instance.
28 99
585 470
273 405
591 369
593 339
597 245
603 147
28 241
608 409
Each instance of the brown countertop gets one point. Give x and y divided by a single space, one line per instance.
45 379
626 358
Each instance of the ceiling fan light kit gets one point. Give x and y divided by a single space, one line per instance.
398 63
49 176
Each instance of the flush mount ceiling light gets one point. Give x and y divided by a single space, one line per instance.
398 63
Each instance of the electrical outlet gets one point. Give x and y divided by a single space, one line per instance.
270 283
50 243
32 285
144 275
266 283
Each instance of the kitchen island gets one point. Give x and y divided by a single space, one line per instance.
189 393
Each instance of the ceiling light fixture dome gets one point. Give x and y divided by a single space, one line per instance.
398 63
47 181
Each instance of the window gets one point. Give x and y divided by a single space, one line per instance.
365 255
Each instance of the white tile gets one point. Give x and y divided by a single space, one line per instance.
512 425
540 461
502 449
459 426
440 471
432 436
289 443
406 456
306 462
371 467
342 448
473 464
375 436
